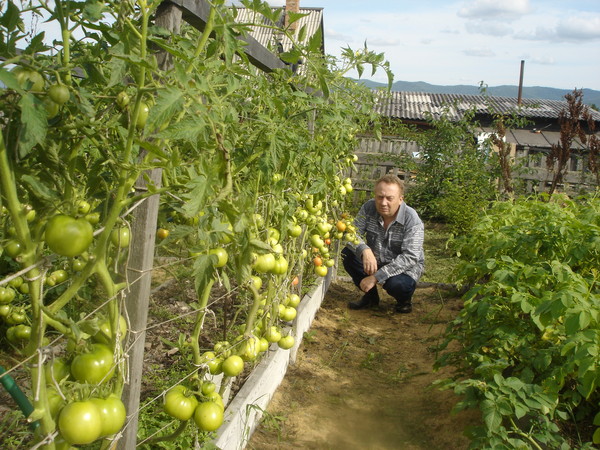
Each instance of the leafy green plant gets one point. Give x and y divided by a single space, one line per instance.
454 182
529 330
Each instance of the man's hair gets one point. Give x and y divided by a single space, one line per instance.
392 179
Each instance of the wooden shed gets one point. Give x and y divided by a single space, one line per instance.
529 145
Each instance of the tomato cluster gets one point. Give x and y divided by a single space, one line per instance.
183 404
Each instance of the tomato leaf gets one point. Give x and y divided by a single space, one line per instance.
33 123
11 17
93 10
39 189
168 103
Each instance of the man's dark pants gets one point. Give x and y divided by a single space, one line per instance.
401 287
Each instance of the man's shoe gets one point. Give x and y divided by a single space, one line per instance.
367 301
404 308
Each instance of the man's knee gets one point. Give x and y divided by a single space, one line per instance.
400 286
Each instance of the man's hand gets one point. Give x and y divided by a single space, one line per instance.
369 261
366 284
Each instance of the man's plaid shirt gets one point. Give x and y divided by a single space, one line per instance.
399 249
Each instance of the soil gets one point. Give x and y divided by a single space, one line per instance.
363 380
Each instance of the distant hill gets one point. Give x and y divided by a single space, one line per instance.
590 96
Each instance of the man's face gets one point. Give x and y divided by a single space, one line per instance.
387 199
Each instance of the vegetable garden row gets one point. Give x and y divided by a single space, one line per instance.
238 179
249 171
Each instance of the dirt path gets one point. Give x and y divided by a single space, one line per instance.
362 381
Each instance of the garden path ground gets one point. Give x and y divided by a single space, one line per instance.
362 380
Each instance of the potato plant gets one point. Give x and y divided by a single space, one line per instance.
529 332
252 196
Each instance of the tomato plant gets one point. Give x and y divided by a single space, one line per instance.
241 173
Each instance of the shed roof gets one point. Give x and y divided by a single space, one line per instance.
267 37
418 106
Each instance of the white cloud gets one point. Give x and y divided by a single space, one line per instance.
383 42
480 52
334 35
571 29
578 28
487 28
495 9
543 60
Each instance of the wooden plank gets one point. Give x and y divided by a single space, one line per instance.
139 272
195 12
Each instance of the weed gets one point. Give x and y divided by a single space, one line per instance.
373 359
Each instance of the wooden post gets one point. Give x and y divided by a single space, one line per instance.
141 261
138 300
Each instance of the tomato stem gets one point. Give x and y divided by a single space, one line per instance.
199 323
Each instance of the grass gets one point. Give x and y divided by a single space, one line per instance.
440 262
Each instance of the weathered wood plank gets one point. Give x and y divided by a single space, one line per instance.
195 12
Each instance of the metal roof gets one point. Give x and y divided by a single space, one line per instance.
417 106
267 37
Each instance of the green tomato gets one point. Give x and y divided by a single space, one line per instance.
67 236
142 116
105 334
13 248
316 240
264 263
180 403
293 300
57 370
55 401
233 366
216 398
29 79
60 275
122 100
295 230
7 295
263 345
51 108
80 423
273 234
112 414
208 387
286 342
22 332
281 265
221 256
83 207
120 237
95 366
208 416
273 334
256 281
288 314
213 362
249 349
59 94
16 282
5 310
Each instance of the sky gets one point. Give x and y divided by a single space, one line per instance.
449 42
